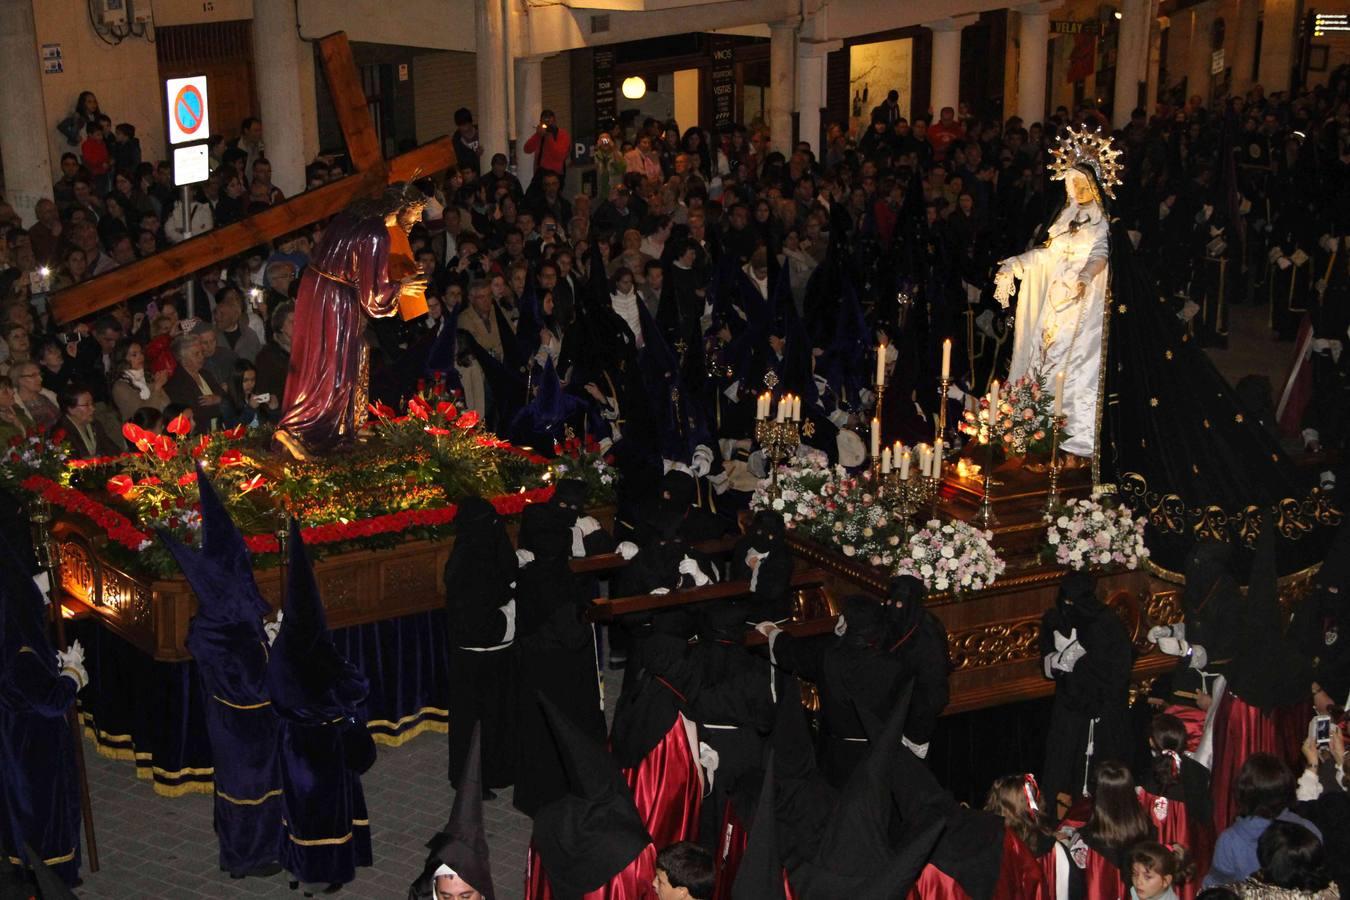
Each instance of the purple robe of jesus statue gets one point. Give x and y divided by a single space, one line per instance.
347 279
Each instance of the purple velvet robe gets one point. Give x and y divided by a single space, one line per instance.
347 279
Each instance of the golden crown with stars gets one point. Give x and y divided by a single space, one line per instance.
1091 148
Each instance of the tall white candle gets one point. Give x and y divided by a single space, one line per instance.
881 364
904 465
947 359
886 461
762 406
782 408
937 460
1059 393
876 437
993 403
796 409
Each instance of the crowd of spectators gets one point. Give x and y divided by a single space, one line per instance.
1239 202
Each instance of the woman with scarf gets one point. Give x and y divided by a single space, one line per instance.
1099 848
1086 651
556 655
134 386
480 609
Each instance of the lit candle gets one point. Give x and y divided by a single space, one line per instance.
904 465
782 408
895 452
925 458
993 403
886 461
947 359
796 409
762 406
1059 394
876 437
881 364
937 460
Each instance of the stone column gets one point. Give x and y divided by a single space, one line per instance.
1200 50
281 58
1277 45
1153 72
23 120
529 103
1243 44
946 69
811 77
1033 43
782 83
1131 58
490 60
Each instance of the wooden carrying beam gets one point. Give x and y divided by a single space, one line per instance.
217 245
605 562
604 610
195 254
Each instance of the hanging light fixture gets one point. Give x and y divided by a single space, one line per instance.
634 88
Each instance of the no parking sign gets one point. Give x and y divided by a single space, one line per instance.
189 119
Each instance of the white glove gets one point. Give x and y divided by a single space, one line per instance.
524 558
1069 651
627 550
919 750
1173 646
709 760
1167 631
690 568
71 663
509 610
660 592
1199 657
768 629
701 462
841 627
588 525
272 629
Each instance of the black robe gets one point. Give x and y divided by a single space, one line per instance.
556 652
848 674
1097 689
483 670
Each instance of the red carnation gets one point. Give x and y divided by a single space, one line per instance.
179 425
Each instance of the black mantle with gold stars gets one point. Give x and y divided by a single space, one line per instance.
1180 447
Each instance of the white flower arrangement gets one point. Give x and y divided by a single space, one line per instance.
1096 534
834 508
840 510
951 556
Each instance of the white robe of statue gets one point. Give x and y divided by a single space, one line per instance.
1058 324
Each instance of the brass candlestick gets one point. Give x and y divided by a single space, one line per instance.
1052 498
907 495
778 440
944 385
986 515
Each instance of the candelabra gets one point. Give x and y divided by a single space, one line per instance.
1052 498
908 495
944 385
986 515
778 440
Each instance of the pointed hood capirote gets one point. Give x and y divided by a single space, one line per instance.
221 572
591 835
1268 669
306 675
855 859
760 876
22 611
461 846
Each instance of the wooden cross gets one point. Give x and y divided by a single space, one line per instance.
372 173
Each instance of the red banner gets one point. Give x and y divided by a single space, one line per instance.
1083 59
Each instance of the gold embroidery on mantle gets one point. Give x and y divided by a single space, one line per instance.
1293 517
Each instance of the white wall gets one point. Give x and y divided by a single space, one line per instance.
124 77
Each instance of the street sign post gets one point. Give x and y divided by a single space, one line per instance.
189 117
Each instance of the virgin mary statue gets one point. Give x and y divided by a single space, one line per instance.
1163 429
352 274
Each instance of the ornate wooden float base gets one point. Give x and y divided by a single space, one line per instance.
152 614
994 634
